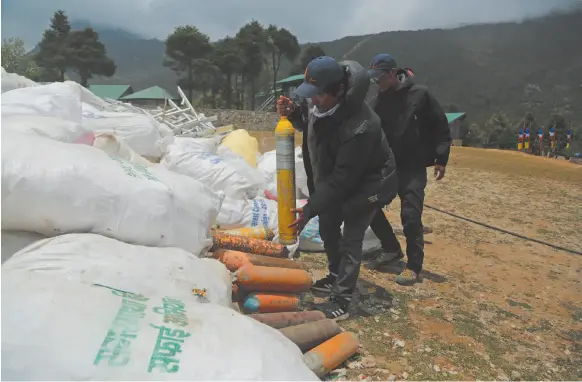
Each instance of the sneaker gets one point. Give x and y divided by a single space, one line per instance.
334 310
385 260
324 285
371 255
408 277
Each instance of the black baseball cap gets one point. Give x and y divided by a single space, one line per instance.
319 74
382 62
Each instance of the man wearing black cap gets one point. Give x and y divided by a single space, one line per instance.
418 132
350 168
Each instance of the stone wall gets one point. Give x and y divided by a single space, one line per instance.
243 119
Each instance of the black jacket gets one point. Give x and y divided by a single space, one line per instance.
347 158
415 125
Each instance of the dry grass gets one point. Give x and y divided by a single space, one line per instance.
501 308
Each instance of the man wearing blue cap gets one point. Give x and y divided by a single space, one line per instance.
350 168
418 132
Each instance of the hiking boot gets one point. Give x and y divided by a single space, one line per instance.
408 277
367 256
335 309
385 260
324 285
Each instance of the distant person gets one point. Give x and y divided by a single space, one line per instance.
541 140
350 169
418 132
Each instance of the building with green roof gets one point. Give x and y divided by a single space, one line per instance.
111 91
455 120
294 79
286 86
289 84
154 96
452 117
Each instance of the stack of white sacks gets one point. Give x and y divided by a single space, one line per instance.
103 273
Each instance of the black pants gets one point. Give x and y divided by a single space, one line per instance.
411 185
344 251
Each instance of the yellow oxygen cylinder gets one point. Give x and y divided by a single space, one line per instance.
285 149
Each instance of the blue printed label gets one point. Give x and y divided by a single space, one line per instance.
260 213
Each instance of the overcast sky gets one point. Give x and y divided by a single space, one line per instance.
309 20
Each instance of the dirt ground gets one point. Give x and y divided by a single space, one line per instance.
491 306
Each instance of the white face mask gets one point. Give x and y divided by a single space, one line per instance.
323 114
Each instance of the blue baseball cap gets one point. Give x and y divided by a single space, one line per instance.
380 63
319 74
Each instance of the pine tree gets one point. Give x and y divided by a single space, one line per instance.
54 53
89 56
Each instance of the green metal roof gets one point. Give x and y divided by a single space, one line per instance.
155 92
451 117
270 92
109 91
295 78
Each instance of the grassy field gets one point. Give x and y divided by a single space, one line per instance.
491 306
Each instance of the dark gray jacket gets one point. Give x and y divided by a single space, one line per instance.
414 124
348 161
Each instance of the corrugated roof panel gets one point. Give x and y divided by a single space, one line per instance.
454 116
155 92
109 91
295 78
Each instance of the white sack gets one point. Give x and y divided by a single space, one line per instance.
11 81
88 98
258 212
141 132
55 188
198 145
88 108
232 175
49 127
57 100
267 165
310 240
14 241
115 146
167 136
300 174
60 330
371 242
96 259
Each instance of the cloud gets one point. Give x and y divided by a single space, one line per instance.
310 20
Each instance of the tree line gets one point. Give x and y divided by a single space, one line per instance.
60 50
222 73
225 70
501 132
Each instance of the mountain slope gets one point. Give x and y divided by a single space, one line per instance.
139 61
485 68
508 67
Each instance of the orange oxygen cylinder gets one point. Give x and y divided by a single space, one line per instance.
249 245
311 334
270 303
268 279
285 149
285 319
233 260
236 259
252 232
332 353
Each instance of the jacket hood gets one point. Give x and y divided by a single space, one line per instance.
405 80
358 82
